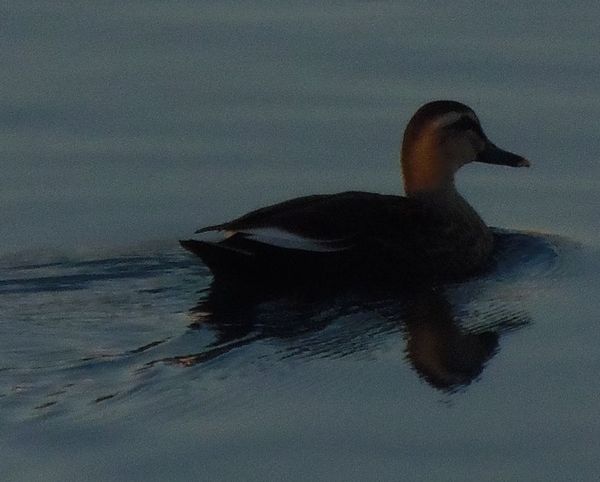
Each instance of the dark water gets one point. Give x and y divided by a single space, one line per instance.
126 125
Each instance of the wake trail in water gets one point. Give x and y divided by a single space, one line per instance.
113 323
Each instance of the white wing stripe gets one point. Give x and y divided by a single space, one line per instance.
279 238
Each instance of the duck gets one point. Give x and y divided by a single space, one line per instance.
430 234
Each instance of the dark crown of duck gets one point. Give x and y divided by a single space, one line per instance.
441 137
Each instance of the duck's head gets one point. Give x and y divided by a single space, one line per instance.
441 137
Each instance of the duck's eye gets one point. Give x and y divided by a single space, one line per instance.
466 123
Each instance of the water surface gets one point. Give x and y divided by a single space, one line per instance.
126 125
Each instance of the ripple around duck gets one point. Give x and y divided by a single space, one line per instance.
523 253
83 333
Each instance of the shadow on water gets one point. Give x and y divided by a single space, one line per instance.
446 344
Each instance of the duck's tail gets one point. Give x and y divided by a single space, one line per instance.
219 257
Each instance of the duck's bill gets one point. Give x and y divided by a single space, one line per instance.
494 155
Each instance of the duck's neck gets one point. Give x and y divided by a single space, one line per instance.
445 196
425 169
449 201
462 239
432 182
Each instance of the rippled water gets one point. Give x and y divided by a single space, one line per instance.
135 356
124 124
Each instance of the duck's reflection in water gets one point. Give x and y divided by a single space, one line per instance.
446 350
442 350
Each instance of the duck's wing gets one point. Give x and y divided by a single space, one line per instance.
311 230
327 222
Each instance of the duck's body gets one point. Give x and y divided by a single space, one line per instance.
431 234
372 235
